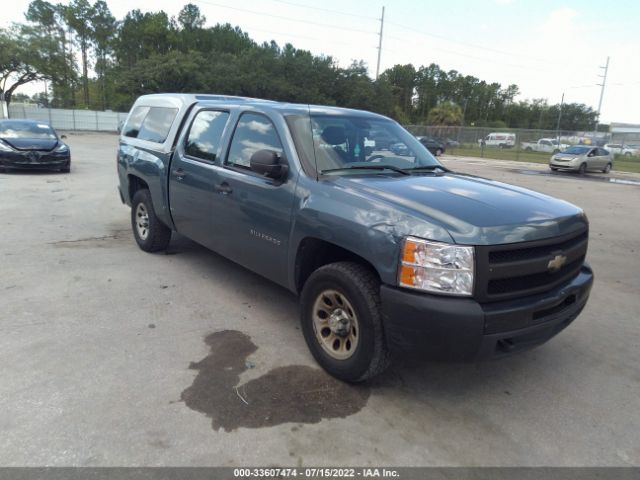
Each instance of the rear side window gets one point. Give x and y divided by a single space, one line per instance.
254 132
157 123
205 133
134 122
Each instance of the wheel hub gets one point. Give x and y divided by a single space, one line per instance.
335 324
339 322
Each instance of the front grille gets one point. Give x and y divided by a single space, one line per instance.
520 269
501 256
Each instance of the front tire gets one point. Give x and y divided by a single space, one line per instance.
66 168
342 322
583 169
150 233
607 168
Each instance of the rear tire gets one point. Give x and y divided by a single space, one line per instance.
348 292
150 233
607 168
583 169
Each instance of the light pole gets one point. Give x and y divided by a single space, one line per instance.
558 124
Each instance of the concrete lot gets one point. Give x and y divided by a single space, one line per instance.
98 339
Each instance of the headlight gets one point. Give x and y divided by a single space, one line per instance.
62 148
436 267
4 147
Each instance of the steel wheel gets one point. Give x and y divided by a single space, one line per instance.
335 324
142 221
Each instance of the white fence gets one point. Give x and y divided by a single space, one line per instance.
62 119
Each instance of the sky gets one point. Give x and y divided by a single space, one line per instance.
545 47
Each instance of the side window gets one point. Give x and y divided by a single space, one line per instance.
204 135
602 152
254 132
134 122
157 123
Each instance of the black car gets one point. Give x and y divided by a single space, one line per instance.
434 146
30 144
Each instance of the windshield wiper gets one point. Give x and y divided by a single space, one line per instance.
425 168
368 167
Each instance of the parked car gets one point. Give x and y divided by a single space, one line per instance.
389 254
449 142
500 140
582 158
621 149
434 146
400 148
382 140
547 145
31 144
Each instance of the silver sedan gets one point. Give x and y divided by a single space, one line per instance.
582 158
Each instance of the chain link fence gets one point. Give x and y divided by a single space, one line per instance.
525 145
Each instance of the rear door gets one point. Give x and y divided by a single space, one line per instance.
603 157
254 212
193 176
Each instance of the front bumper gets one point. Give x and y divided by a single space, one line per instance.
461 329
34 160
570 165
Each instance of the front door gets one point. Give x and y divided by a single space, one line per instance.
193 176
254 218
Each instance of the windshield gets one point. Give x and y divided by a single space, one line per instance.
343 145
577 150
26 130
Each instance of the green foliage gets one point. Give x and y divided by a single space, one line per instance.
150 52
446 113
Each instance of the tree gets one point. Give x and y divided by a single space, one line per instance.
103 33
190 17
78 15
20 63
446 114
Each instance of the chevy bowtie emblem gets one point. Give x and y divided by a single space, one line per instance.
556 263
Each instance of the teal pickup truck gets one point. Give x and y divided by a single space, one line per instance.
390 254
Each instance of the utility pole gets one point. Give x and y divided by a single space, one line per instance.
559 117
380 43
604 82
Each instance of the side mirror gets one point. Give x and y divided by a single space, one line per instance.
269 164
591 154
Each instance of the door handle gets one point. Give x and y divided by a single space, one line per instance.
179 173
224 189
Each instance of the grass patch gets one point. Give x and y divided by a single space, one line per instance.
621 163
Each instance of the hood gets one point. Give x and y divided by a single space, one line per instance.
42 144
474 210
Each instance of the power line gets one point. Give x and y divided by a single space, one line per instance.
281 17
319 9
471 45
483 59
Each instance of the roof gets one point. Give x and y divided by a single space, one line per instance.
23 120
184 99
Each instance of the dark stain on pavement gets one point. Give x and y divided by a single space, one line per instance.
295 393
